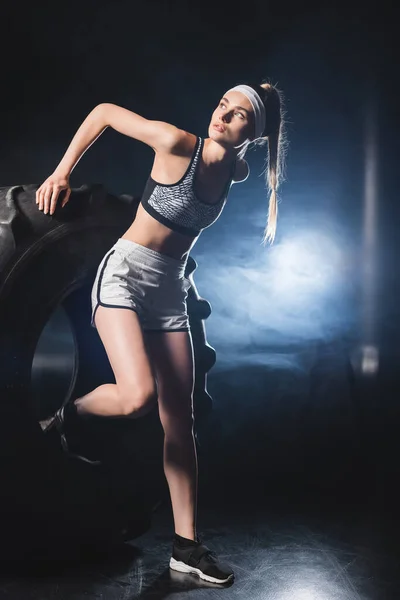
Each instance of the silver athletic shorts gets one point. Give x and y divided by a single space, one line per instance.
152 284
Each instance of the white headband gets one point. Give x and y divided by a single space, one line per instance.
256 103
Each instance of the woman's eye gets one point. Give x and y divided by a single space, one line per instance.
222 105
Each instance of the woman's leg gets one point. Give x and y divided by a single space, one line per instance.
135 390
171 354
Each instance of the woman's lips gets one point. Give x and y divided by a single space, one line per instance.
219 128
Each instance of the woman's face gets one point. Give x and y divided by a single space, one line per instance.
232 122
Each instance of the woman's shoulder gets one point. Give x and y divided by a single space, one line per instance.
184 142
242 171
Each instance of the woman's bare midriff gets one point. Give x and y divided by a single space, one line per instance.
147 231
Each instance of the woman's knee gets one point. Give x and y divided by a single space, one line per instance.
134 399
177 425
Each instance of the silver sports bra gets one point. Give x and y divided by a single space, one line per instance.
177 206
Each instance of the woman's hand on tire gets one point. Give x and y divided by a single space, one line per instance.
48 193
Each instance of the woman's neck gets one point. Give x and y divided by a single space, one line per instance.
214 153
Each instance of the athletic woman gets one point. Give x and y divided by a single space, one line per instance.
148 342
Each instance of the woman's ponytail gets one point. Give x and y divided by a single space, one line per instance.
272 185
274 133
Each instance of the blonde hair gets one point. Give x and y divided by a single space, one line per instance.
274 134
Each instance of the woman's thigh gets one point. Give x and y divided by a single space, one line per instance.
171 354
123 339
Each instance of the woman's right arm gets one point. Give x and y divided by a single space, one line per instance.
157 134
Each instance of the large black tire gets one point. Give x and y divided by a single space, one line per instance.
47 264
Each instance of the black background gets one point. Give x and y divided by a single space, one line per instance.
171 61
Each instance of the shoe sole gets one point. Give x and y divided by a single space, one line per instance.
182 567
57 422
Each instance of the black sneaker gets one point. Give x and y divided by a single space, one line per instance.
199 559
58 422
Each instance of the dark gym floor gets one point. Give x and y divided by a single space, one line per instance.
281 555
